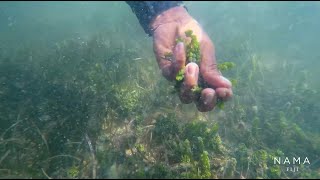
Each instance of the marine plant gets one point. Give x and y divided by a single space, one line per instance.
193 54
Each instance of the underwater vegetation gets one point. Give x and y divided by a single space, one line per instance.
84 110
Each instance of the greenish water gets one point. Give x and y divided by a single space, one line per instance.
81 95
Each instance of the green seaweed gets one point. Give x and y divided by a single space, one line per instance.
82 110
204 166
193 54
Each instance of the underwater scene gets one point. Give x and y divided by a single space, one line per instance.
82 95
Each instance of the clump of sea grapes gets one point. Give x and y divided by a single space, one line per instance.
193 55
226 66
193 48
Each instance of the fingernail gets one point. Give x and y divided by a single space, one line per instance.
226 80
223 94
208 99
191 70
180 44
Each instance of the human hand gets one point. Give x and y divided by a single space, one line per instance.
167 27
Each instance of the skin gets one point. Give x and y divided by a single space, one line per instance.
172 24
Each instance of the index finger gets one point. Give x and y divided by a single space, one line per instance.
164 44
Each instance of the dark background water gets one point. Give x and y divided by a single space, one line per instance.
279 31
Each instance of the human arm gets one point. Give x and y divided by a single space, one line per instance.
165 25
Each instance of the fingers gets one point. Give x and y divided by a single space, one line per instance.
164 43
190 81
171 63
179 58
217 81
208 96
210 72
224 93
170 56
207 100
213 77
208 67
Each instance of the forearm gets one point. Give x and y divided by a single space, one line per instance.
147 11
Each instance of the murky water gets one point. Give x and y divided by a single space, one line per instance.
81 94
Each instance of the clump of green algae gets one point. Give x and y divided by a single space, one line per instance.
193 55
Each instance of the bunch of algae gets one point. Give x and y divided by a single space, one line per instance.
193 55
